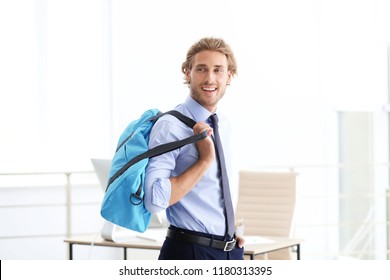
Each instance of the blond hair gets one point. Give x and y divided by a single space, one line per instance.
210 44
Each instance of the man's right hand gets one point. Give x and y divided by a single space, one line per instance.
205 147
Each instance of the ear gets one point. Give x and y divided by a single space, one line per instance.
229 79
188 78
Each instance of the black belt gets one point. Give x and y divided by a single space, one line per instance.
201 240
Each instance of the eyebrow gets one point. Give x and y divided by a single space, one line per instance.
204 65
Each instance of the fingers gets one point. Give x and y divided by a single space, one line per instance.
206 146
201 126
240 241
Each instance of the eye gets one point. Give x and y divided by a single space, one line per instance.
201 69
219 70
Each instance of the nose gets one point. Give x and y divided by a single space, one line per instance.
210 77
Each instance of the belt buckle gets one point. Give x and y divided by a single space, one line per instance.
227 245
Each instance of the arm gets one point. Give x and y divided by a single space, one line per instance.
163 189
182 184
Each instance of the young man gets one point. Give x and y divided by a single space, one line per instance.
189 182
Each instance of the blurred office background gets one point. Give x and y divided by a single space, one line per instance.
312 95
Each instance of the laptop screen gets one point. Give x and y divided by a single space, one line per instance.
102 169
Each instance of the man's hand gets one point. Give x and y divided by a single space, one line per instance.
240 241
205 146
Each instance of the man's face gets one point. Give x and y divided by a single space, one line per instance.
208 78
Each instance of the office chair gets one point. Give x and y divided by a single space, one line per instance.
266 206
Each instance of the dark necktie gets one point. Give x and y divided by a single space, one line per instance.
229 212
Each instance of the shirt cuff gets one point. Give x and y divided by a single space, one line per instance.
161 193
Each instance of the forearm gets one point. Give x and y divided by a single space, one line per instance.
184 183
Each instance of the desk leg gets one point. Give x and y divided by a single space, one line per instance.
298 251
124 253
70 251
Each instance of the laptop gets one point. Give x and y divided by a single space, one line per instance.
102 170
113 232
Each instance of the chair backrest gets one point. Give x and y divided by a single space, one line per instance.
266 206
266 202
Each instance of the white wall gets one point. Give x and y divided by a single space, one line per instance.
299 62
79 71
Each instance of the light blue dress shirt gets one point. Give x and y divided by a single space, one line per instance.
201 209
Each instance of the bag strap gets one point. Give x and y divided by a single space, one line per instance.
164 148
184 119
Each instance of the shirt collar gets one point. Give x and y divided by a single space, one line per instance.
198 112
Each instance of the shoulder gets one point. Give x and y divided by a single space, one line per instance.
224 122
168 128
223 118
171 121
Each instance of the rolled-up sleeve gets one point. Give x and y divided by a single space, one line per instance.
159 169
157 194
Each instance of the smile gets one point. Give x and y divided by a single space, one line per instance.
209 88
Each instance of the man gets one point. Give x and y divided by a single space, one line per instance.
189 182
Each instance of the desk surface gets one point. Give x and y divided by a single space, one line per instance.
252 249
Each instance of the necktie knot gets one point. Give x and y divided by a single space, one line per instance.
214 119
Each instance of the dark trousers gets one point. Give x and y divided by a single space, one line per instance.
173 249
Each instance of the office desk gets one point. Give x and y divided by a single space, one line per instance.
251 250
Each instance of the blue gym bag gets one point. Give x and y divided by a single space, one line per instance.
123 202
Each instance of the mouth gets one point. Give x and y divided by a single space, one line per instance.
209 89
